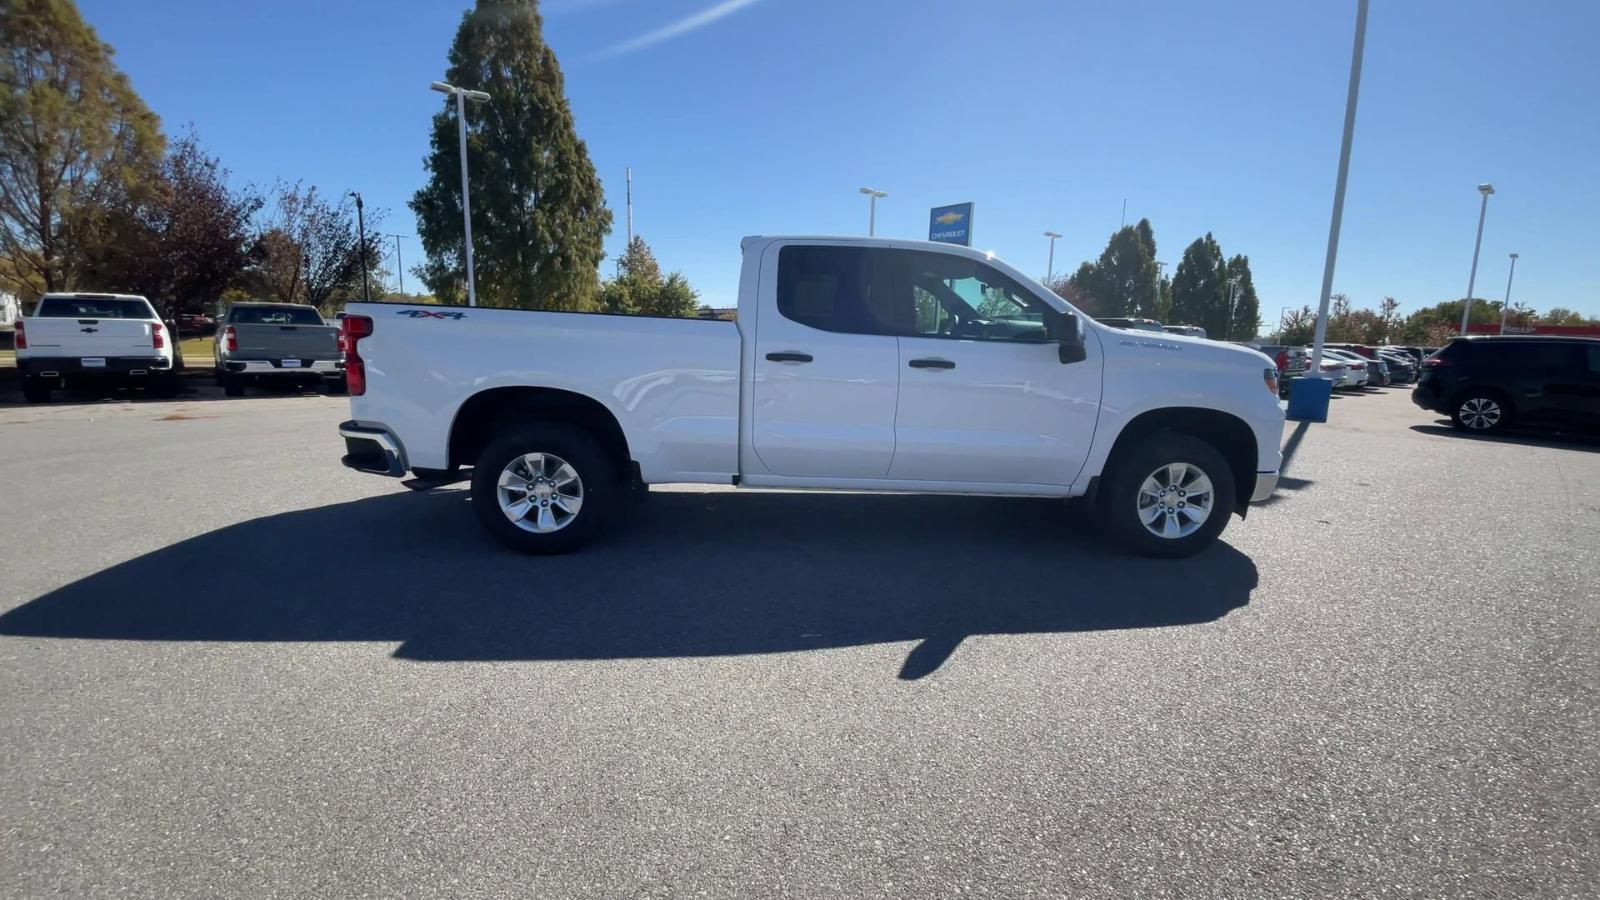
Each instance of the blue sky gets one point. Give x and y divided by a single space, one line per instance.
765 116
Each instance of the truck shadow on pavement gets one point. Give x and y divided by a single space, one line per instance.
692 574
1525 437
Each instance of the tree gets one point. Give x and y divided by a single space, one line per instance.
538 210
640 290
1299 327
71 127
180 240
309 250
1560 315
1198 288
1424 326
1122 281
1246 312
1389 314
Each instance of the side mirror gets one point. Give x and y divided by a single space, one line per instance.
1067 330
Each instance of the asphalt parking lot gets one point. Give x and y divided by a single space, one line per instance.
230 667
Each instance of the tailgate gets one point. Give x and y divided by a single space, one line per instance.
286 342
51 336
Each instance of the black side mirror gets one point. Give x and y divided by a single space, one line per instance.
1067 331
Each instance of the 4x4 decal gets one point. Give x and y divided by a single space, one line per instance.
430 314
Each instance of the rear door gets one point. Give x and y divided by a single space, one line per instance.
984 396
1558 373
825 371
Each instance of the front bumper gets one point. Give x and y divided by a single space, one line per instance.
277 367
1266 483
374 449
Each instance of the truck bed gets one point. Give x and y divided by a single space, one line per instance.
673 384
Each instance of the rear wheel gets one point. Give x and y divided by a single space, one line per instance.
1482 412
1169 496
35 391
544 488
232 385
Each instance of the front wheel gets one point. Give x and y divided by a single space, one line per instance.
1481 412
544 488
1169 496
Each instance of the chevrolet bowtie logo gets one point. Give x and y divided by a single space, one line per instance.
948 218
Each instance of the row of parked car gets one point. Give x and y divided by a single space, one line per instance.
1351 367
84 340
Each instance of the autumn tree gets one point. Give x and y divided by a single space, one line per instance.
538 211
308 249
71 129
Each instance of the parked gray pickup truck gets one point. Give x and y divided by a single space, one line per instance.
277 343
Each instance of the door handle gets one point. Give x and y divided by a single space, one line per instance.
789 357
932 364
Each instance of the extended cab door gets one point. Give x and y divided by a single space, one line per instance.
984 396
825 369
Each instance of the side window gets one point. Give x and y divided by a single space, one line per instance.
956 297
1549 357
852 290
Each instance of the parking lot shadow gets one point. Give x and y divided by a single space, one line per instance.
1528 438
692 574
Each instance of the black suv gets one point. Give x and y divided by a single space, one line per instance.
1486 383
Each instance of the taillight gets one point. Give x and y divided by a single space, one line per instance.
157 339
21 336
230 337
355 368
1430 362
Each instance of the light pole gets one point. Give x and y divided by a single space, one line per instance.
872 208
399 264
361 225
1472 280
1233 293
1283 318
1050 267
1504 310
462 95
1160 266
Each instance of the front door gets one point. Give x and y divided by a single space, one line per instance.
984 396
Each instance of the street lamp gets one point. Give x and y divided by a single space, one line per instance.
399 264
361 224
462 95
1507 308
1233 293
1050 267
1472 280
1160 266
872 208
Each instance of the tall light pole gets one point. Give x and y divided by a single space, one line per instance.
1160 266
1338 195
399 264
872 208
1050 267
1233 293
361 225
1472 280
462 95
1504 310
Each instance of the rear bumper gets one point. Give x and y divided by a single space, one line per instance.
271 367
1427 395
373 449
72 367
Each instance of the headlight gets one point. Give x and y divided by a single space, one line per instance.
1270 374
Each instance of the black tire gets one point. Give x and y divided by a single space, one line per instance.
163 387
1120 490
233 385
598 474
35 391
1481 411
335 386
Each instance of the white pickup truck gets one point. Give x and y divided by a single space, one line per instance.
854 364
84 339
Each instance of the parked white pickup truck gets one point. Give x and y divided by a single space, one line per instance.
81 339
854 364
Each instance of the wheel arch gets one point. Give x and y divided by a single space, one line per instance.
486 412
1229 434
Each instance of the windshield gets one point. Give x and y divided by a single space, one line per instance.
94 308
275 315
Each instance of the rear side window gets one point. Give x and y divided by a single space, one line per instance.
844 289
274 315
94 308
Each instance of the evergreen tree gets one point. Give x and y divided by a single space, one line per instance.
640 290
1246 305
1199 288
1123 280
71 129
538 210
